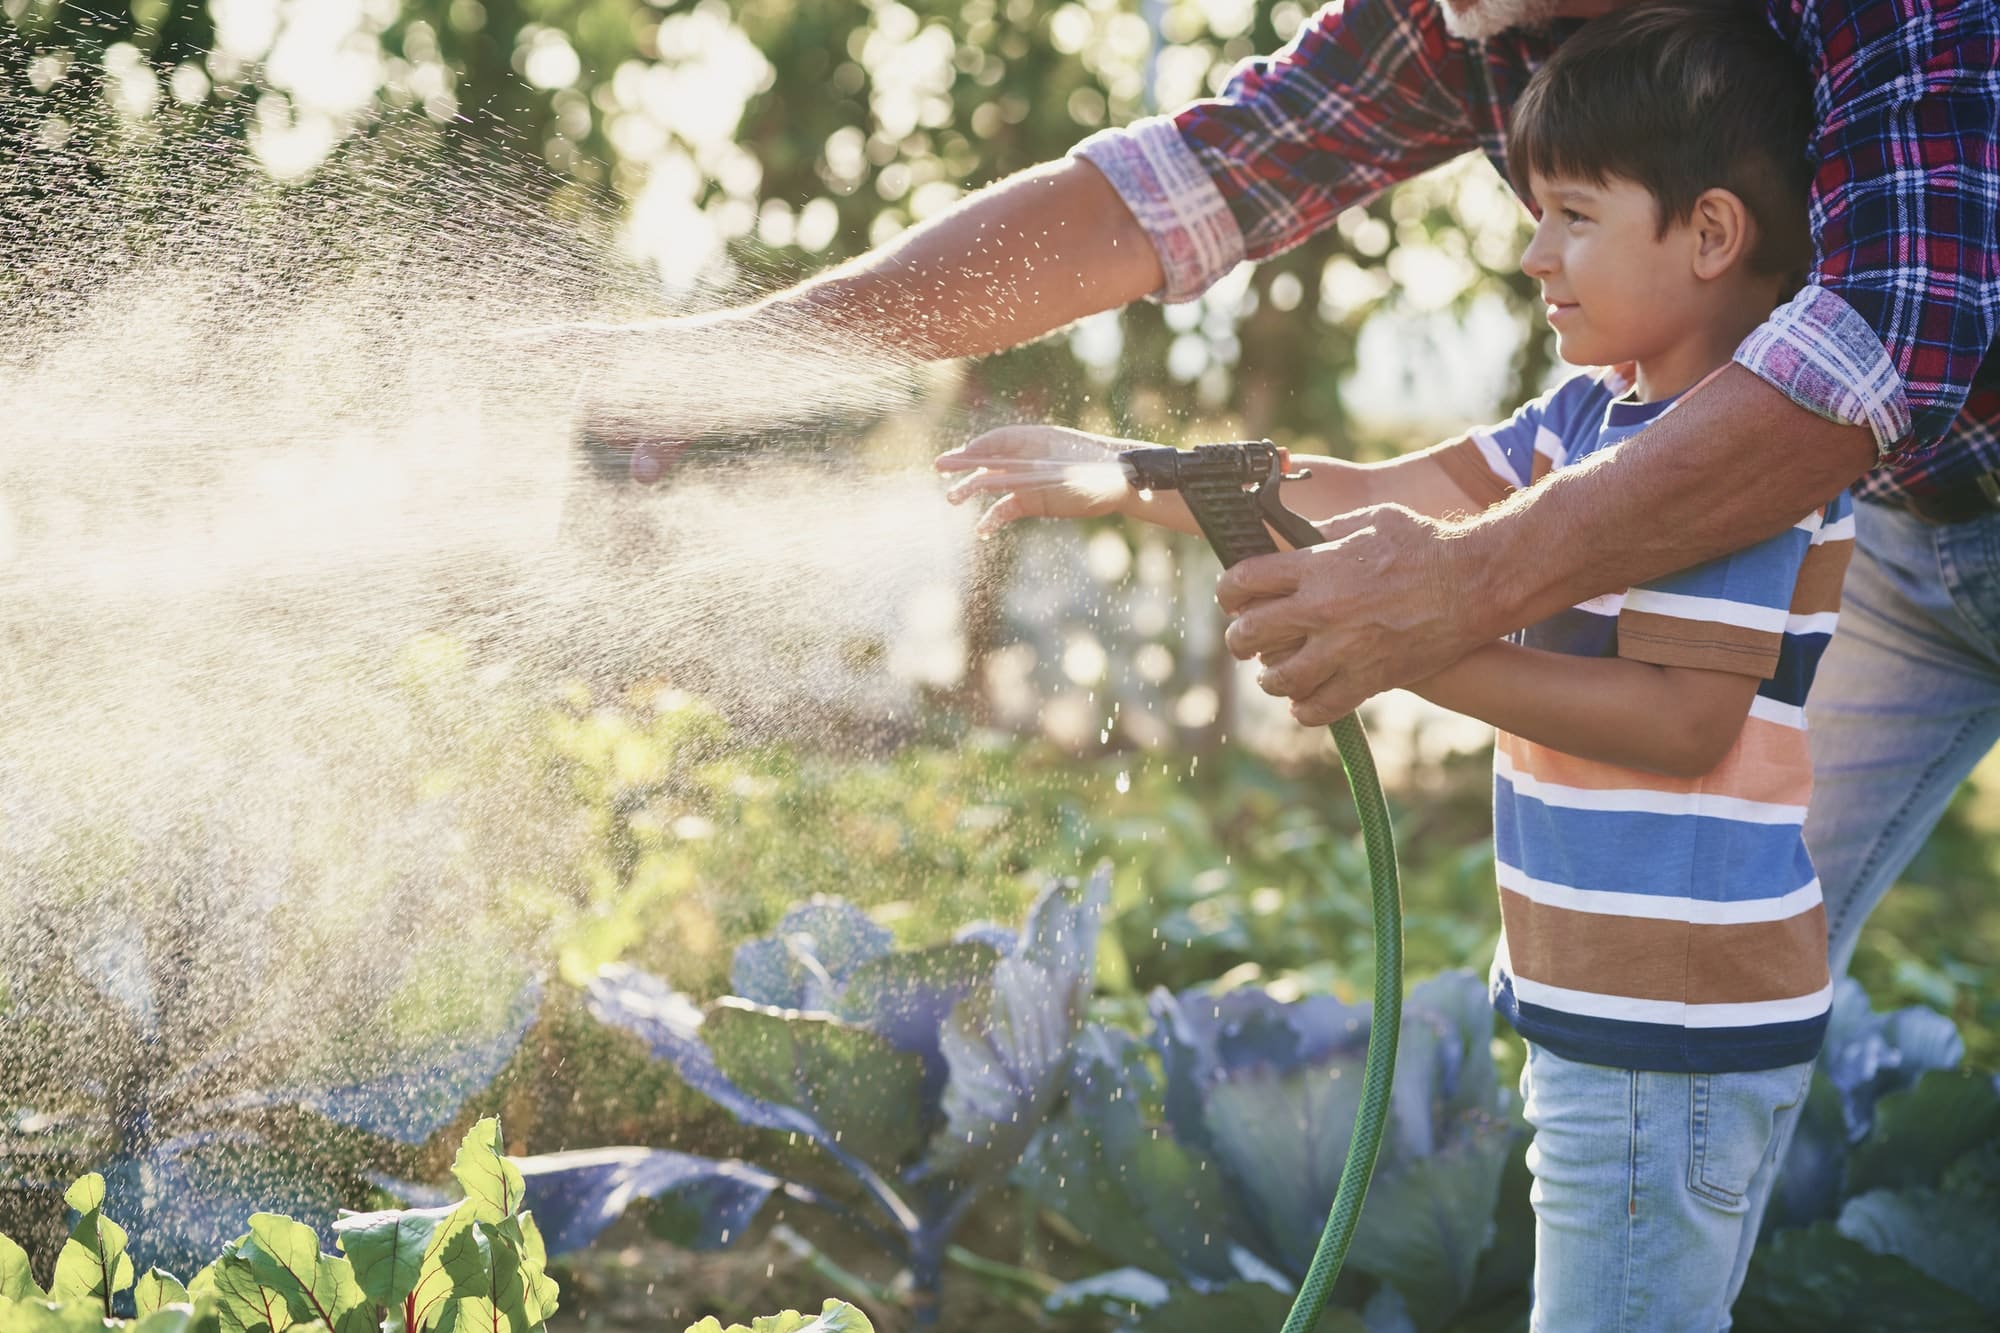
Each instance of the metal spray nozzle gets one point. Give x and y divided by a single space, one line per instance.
1232 490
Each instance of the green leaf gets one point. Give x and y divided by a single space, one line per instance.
542 1291
1922 1129
1951 1239
182 1317
474 1314
834 1317
863 1090
491 1182
17 1275
389 1249
1427 1221
435 1283
1807 1280
82 1316
488 1290
87 1194
244 1303
286 1258
467 1263
93 1262
157 1288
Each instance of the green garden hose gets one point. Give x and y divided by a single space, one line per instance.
1232 491
1379 1071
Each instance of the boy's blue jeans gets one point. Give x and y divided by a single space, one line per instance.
1641 1190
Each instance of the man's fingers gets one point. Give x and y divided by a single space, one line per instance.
1345 525
1299 673
1327 704
1258 578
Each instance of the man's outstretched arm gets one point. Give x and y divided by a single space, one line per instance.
1394 597
1020 258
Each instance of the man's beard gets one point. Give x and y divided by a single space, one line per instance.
1489 18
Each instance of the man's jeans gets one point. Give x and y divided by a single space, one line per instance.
1906 702
1641 1192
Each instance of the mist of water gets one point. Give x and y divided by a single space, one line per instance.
296 548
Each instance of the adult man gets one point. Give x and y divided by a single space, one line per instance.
1884 361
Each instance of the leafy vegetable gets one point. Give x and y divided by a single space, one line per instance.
834 1317
480 1263
924 1075
1215 1174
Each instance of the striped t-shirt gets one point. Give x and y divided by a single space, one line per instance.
1652 922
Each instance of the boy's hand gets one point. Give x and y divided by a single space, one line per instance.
1039 472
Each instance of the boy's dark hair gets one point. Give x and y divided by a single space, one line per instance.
1679 96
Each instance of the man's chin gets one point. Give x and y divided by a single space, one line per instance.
1477 20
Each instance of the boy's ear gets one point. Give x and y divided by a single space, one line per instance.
1724 232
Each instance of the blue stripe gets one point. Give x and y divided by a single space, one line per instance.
1684 856
1662 1047
1761 575
1798 658
1575 632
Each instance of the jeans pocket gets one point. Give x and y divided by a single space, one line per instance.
1731 1118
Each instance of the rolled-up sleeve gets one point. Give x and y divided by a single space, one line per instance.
1365 95
1901 307
1174 200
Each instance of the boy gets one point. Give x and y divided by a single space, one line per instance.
1663 947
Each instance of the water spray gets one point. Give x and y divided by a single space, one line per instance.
1232 491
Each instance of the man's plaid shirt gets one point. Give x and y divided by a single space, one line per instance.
1895 327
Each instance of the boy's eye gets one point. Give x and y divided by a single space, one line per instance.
1571 215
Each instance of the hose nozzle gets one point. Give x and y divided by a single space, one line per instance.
1232 490
1246 463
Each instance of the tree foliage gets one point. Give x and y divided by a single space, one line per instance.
753 142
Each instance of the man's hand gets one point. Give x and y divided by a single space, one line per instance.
1372 607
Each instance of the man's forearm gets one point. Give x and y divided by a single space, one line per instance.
1736 463
1012 262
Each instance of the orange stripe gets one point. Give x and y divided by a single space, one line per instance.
1769 762
1707 645
1470 472
1820 575
1646 959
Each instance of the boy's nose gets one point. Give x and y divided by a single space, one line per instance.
1539 259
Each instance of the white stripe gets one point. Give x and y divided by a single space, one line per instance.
1550 446
1605 604
1841 529
1655 906
1683 607
1819 622
1785 715
1644 800
1672 1012
1496 459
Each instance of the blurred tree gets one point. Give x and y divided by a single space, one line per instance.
754 141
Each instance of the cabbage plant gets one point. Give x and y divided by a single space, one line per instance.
923 1074
1887 1213
1204 1157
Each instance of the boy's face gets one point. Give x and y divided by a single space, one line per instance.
1617 288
